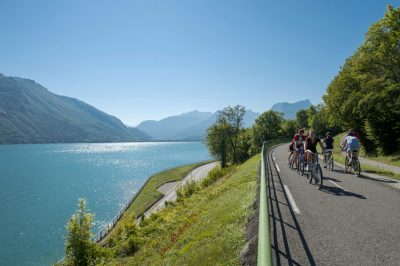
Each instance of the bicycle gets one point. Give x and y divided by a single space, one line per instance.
329 160
353 165
291 160
315 171
301 162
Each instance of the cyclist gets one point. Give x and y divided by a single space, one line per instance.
298 141
328 142
310 146
291 150
351 145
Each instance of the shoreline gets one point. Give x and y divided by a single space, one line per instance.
150 186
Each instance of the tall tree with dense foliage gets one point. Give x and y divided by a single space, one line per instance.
79 247
289 128
217 141
267 126
233 117
365 94
302 118
318 119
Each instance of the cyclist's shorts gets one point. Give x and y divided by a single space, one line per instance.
291 148
350 150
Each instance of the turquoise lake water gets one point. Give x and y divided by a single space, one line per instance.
40 185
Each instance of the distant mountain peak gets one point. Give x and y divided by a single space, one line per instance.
290 109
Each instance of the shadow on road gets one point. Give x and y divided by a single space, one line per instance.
331 178
339 171
279 206
383 180
340 192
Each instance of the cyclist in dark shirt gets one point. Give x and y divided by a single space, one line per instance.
310 146
328 141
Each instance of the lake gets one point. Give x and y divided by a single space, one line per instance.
40 185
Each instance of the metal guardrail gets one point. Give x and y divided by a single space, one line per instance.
264 244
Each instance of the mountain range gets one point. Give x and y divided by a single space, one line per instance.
29 113
193 125
187 126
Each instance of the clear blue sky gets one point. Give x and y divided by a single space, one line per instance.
146 59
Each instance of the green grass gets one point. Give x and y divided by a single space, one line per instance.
392 159
205 228
149 194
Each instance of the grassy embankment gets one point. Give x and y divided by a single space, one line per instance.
206 226
149 194
393 160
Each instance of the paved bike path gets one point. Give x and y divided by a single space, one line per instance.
351 221
196 175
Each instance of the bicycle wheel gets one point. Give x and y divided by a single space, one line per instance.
291 162
346 165
330 163
357 168
319 178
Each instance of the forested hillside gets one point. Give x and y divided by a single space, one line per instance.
29 113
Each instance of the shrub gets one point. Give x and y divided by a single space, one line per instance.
187 190
80 250
213 176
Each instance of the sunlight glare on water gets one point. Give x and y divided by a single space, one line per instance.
40 186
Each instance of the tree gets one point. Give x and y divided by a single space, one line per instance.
267 126
365 95
79 247
302 118
289 128
244 145
233 118
217 141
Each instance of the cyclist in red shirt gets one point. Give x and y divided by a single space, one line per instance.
298 140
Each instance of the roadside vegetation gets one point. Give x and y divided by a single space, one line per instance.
150 195
205 226
365 95
231 143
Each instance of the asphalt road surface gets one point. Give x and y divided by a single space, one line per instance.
350 221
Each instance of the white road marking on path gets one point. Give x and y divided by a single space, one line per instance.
291 200
337 185
277 168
